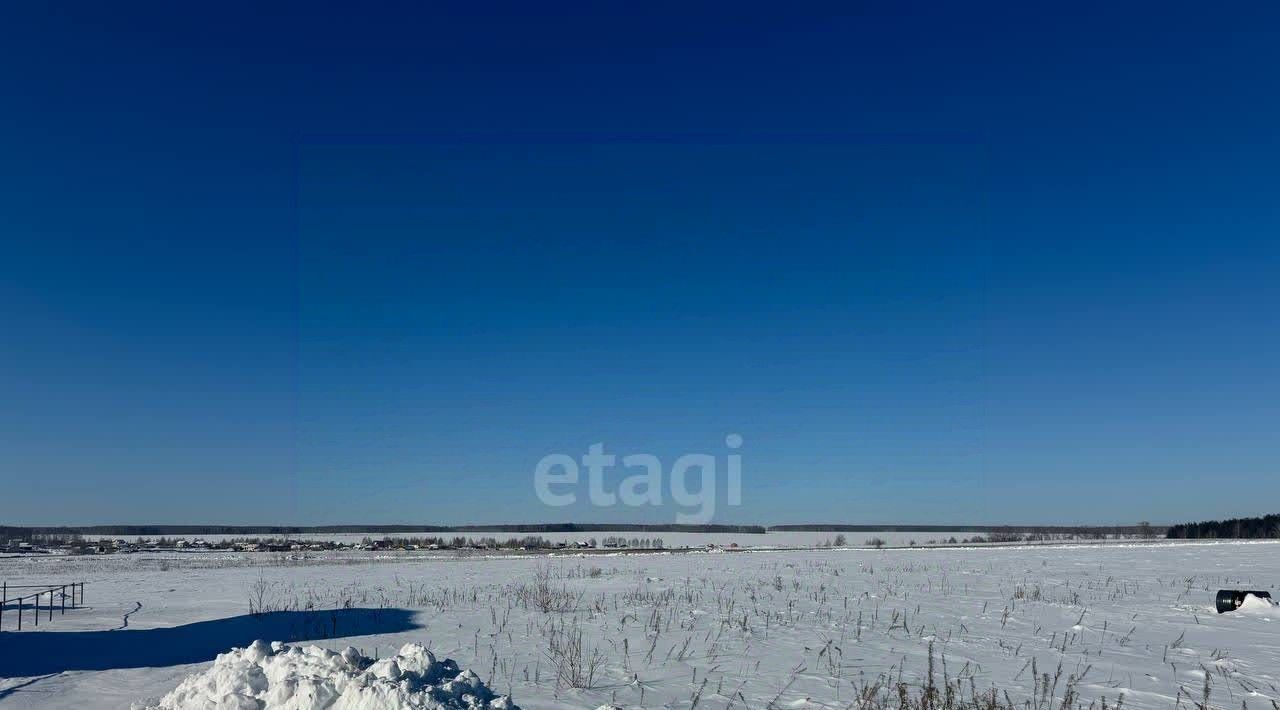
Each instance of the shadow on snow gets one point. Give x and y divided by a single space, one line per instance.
30 653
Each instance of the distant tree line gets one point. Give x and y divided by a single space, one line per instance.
1267 526
640 543
1037 532
24 533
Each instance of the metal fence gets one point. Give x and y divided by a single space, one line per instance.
56 594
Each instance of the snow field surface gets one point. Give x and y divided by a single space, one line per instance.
803 629
296 677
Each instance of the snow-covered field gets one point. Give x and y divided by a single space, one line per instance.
784 538
745 629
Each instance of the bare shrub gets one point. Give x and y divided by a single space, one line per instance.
545 597
575 662
258 600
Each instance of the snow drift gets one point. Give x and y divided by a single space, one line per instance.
279 677
1259 606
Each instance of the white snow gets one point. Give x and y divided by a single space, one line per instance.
1258 606
1136 620
280 677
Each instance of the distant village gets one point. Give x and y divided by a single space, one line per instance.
75 545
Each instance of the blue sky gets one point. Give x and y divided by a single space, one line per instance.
985 263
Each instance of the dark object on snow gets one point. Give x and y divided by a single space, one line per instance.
1231 599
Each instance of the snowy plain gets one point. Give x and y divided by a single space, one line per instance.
714 629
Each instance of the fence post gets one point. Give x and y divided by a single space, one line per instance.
4 597
64 599
37 607
50 605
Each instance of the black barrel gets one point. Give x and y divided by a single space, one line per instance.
1231 599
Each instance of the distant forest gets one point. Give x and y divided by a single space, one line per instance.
1141 529
1251 528
23 533
1039 531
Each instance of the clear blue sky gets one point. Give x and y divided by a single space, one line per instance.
980 263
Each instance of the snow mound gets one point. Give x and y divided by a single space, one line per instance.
279 677
1257 605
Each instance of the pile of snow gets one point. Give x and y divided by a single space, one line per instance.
1258 605
276 676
